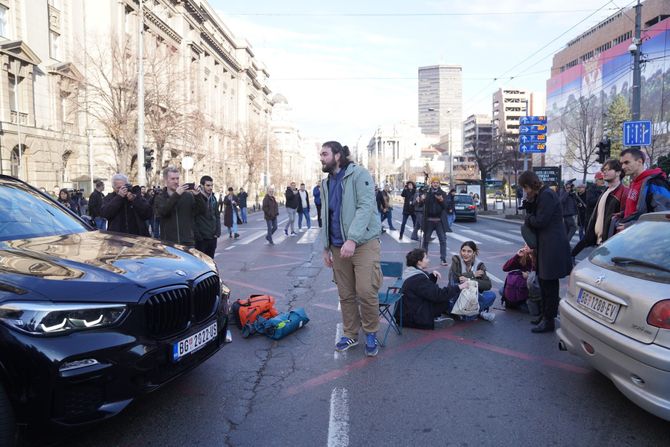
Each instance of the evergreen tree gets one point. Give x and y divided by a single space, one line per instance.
617 112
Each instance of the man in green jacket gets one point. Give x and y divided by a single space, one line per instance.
350 234
208 224
176 206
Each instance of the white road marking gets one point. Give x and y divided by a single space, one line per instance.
495 278
309 236
395 235
461 238
487 237
229 248
249 239
507 235
338 424
338 335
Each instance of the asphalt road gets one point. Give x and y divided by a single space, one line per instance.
476 383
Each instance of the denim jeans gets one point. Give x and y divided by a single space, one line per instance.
388 216
243 214
451 218
291 219
100 223
304 213
232 230
404 221
272 227
486 300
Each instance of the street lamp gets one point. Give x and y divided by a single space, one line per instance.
187 163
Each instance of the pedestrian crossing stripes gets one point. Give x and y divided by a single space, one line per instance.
487 237
508 235
309 237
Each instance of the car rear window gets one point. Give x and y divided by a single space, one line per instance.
463 199
641 251
25 213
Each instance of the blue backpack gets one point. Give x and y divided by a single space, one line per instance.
277 327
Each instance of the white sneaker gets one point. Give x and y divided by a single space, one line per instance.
488 316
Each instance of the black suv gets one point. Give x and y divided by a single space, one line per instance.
90 320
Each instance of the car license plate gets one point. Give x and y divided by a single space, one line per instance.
460 207
599 306
194 342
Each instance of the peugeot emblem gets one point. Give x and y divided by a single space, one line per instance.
599 279
180 272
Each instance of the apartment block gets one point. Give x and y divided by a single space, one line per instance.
441 102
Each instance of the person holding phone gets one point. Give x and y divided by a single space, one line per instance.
177 208
230 213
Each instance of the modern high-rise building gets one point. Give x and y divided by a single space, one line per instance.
511 104
441 102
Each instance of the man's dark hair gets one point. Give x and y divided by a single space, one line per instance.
414 256
615 164
634 152
206 178
230 189
413 184
302 184
99 183
337 148
531 180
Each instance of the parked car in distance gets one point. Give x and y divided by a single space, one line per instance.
91 320
616 314
465 207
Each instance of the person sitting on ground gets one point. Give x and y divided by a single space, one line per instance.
466 266
424 301
515 291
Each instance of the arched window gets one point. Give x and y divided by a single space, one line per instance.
14 161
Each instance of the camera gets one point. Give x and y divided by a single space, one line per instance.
528 205
137 190
189 185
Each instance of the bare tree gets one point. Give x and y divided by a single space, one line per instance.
489 156
111 81
250 150
582 126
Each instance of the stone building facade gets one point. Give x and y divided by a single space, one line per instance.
56 54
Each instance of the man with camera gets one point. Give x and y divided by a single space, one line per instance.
125 209
176 207
435 202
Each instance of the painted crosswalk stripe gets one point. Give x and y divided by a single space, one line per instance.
338 424
309 236
244 240
507 235
487 237
461 238
395 235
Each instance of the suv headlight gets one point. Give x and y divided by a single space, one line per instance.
59 318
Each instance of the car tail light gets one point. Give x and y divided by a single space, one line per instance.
472 207
659 316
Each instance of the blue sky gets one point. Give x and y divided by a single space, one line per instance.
348 67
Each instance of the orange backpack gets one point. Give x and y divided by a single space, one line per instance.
245 311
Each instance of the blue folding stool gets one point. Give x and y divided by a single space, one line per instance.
390 299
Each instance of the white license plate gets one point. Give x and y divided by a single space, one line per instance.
460 207
599 306
194 342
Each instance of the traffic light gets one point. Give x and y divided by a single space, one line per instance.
604 150
148 159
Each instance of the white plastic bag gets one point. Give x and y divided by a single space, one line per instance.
468 301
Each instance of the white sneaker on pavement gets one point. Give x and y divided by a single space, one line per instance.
488 316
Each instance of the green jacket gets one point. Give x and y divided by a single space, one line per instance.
177 214
207 224
359 218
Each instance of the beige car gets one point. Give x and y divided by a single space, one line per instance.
616 314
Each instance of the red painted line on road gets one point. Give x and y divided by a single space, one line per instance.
254 288
446 334
274 266
515 354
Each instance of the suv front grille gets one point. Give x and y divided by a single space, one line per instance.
204 298
170 311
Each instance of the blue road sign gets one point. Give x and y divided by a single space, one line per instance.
529 148
533 120
637 133
530 138
535 129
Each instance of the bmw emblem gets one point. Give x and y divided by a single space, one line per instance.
599 279
180 272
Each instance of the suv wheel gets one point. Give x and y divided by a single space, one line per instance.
7 428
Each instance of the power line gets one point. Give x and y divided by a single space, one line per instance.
476 96
408 14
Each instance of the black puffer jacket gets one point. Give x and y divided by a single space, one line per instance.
420 292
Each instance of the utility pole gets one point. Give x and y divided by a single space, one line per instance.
637 78
141 173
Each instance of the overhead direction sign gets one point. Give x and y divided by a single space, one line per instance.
527 120
637 133
532 134
532 148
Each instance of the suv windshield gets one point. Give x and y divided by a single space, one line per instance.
461 198
641 250
25 213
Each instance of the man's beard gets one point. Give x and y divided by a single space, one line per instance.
329 167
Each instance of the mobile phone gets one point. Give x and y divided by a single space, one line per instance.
189 185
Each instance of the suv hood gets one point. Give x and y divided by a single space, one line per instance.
92 265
